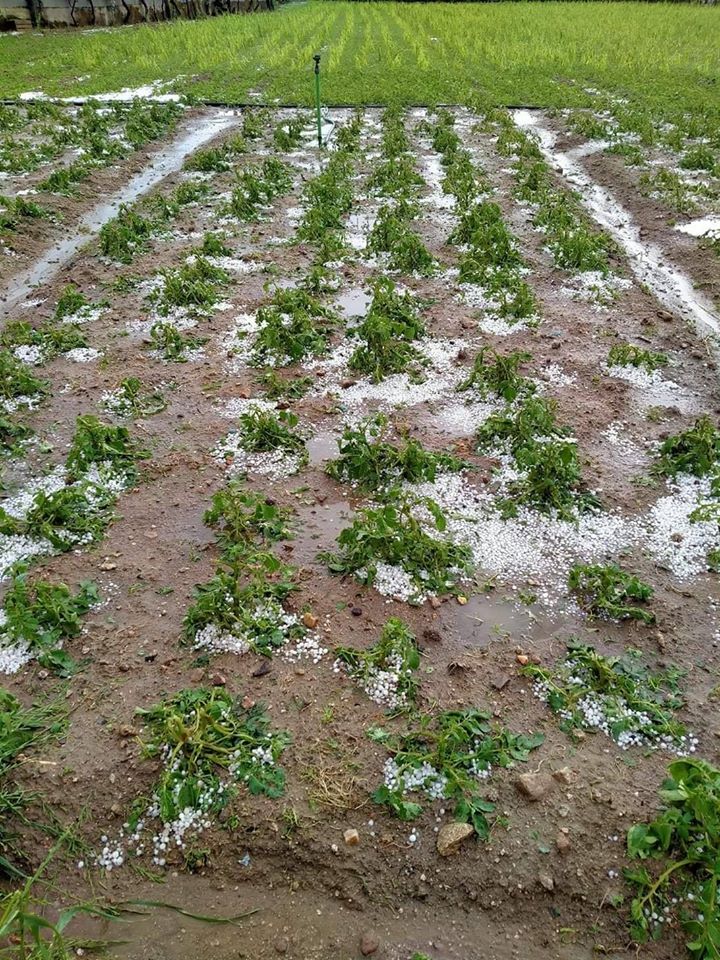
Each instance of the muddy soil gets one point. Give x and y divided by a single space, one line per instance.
541 887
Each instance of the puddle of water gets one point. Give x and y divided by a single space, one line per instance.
353 302
166 161
322 447
669 284
316 529
482 620
485 619
704 227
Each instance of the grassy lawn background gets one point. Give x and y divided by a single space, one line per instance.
508 53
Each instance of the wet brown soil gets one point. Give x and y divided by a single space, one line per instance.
315 897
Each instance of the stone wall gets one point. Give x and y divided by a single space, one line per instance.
25 14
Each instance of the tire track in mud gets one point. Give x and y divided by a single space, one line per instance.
648 262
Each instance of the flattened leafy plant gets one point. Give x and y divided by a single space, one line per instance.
619 696
608 592
448 757
677 885
386 671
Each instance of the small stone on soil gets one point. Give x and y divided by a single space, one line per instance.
534 786
451 836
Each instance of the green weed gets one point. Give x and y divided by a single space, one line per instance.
387 670
242 518
241 607
171 344
495 373
695 451
100 444
392 535
292 326
386 332
201 735
406 252
39 616
264 431
22 730
628 355
550 478
276 387
194 284
128 234
17 383
130 399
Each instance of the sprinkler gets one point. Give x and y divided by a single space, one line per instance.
316 58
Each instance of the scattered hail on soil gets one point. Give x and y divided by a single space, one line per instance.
351 489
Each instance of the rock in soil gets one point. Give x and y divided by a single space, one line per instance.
451 836
534 786
351 837
369 944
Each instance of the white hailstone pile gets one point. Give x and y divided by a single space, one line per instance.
236 343
306 646
616 434
652 389
670 537
480 768
440 376
179 317
29 353
433 174
464 419
171 835
86 314
593 286
230 264
477 298
83 354
424 778
116 401
275 464
14 548
99 480
13 655
554 374
298 643
236 406
536 546
395 582
215 640
380 684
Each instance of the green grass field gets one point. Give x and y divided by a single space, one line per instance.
511 53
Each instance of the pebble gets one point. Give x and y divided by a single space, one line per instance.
534 786
369 943
451 836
